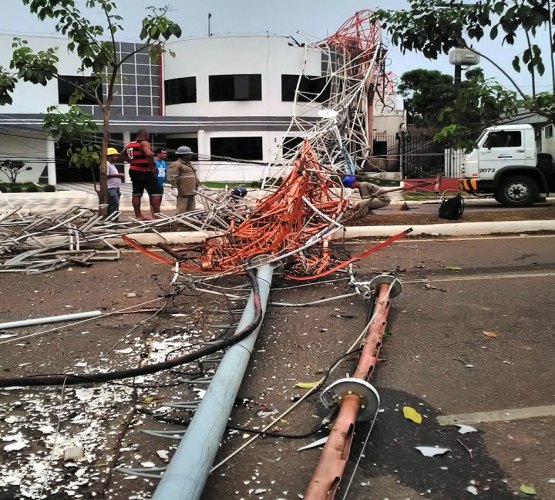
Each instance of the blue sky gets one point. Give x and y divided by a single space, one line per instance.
318 18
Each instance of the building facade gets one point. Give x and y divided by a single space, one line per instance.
229 98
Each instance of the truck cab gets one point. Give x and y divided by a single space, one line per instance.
506 163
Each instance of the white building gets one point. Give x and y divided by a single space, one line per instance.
225 97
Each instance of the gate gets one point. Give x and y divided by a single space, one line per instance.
420 157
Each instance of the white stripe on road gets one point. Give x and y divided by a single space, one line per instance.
498 416
481 277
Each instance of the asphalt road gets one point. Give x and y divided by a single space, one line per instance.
471 333
437 359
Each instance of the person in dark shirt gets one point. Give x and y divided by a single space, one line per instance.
142 171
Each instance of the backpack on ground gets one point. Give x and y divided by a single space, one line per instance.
451 208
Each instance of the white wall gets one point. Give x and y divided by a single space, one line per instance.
28 97
389 116
269 56
33 152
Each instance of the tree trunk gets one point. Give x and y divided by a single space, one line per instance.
103 178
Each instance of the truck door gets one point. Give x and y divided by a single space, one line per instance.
499 149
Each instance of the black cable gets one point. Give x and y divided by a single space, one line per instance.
73 379
322 425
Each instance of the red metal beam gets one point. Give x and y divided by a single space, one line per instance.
330 468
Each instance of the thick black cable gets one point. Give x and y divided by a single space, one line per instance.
73 379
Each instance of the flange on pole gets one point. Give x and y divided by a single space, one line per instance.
357 399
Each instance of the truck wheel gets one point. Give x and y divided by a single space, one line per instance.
517 191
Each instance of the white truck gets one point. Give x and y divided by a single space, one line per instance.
512 164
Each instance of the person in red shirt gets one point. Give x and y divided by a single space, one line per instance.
143 173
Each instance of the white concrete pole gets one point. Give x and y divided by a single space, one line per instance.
51 160
202 153
126 141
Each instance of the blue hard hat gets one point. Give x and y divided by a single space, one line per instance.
239 191
348 180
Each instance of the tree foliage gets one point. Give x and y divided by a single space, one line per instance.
478 103
432 27
95 45
12 168
426 93
76 127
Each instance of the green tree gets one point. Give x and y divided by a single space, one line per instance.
432 27
12 168
478 103
95 45
427 92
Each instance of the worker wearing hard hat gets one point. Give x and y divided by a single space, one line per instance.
372 196
114 181
184 180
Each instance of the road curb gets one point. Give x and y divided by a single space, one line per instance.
449 229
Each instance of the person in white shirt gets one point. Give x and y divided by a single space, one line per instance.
114 181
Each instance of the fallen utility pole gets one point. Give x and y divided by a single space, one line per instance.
356 397
189 467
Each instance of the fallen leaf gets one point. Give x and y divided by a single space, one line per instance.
454 268
124 351
489 334
465 429
264 414
527 490
432 451
306 385
18 445
412 414
314 444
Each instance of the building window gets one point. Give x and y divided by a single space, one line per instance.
291 144
68 86
235 87
548 131
311 88
240 148
180 90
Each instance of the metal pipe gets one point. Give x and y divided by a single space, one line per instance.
188 469
50 319
330 468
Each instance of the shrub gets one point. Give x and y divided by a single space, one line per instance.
33 189
49 189
14 188
256 184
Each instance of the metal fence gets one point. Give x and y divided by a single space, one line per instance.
414 156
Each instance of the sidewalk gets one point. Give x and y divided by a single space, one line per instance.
83 195
74 194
